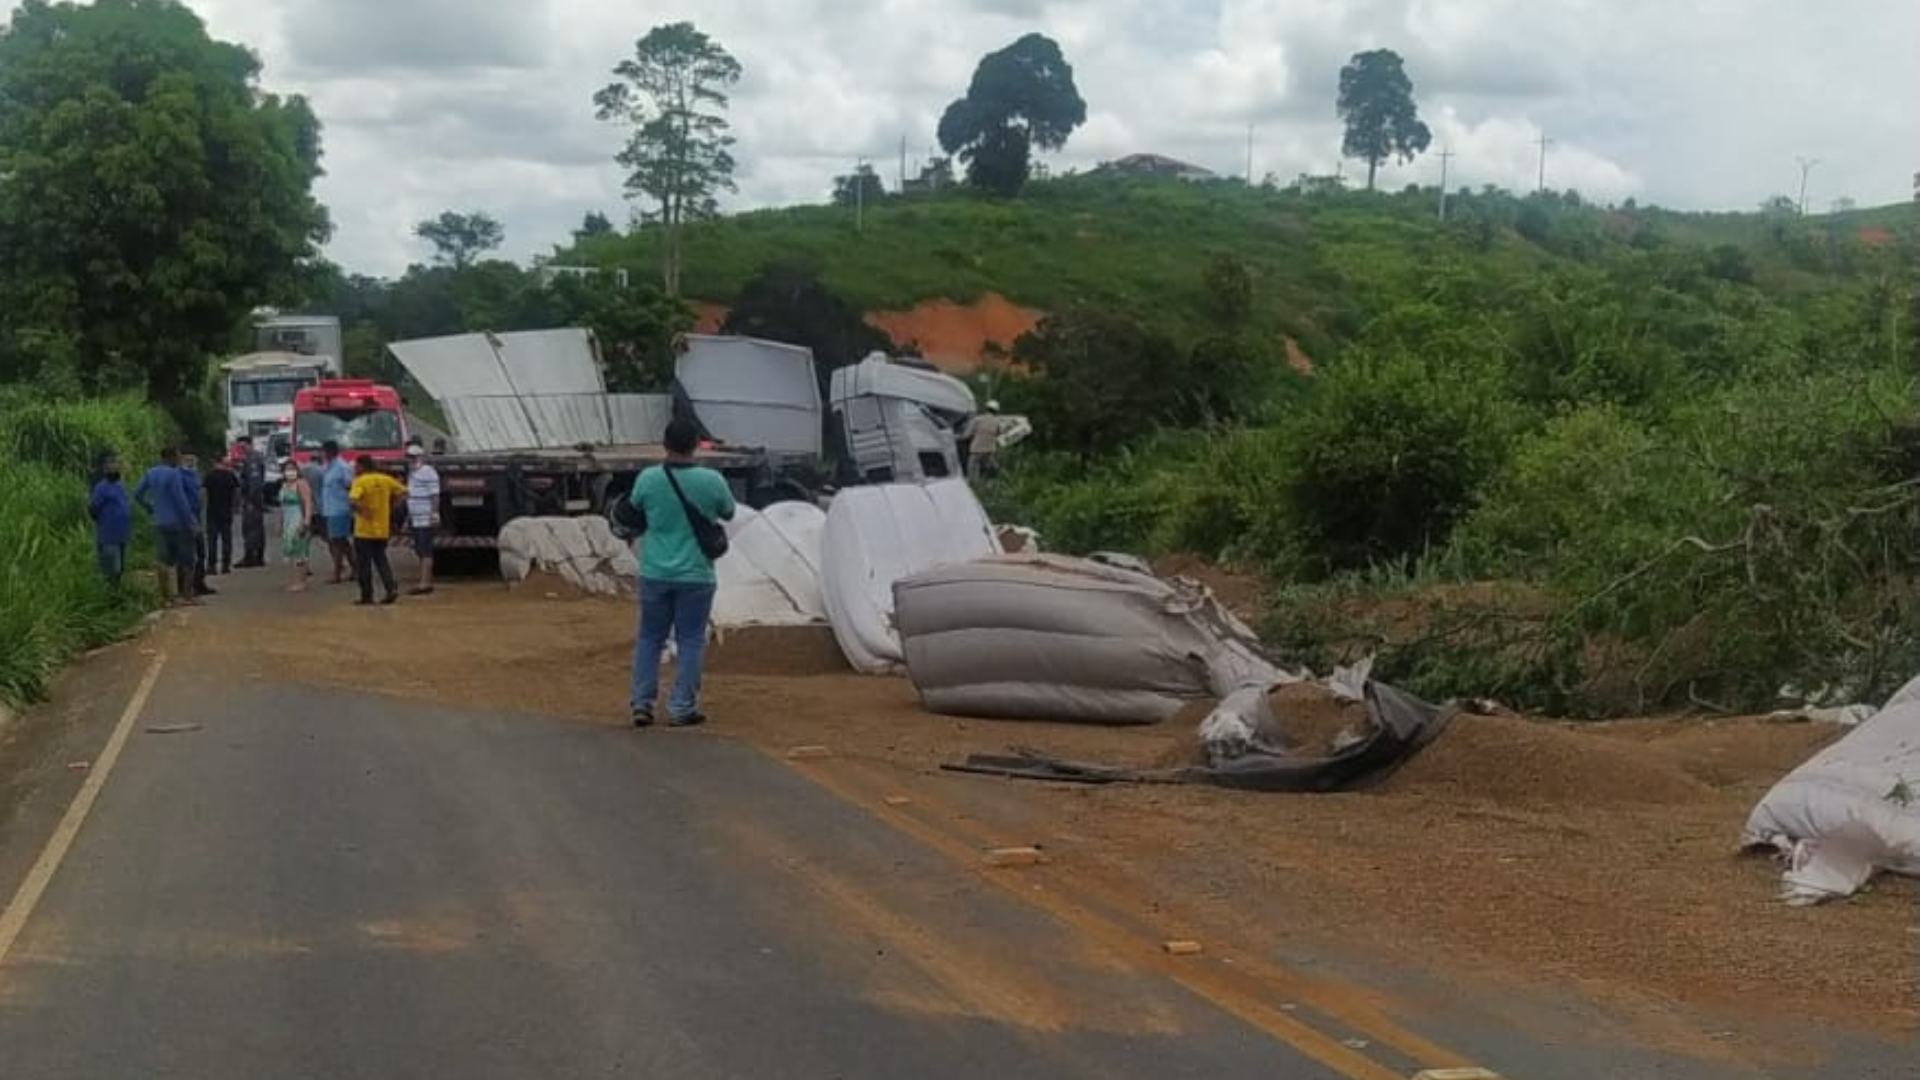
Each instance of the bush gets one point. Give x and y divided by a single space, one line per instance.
1383 460
1749 543
1594 492
53 602
1104 379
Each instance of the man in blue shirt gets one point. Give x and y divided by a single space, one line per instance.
336 480
162 492
112 514
676 576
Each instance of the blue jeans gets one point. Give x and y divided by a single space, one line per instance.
680 608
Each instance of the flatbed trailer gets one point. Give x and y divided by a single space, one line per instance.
481 491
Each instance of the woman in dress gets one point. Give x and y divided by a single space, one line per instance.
296 530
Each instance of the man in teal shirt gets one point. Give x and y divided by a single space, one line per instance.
676 576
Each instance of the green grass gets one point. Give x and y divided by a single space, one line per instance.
1144 245
53 602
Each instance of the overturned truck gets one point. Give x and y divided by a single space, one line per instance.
534 432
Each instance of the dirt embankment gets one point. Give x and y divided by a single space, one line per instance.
959 339
1594 855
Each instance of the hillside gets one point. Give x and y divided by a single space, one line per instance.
1593 460
1145 246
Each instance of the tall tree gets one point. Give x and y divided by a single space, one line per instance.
862 185
595 224
151 193
1376 102
672 93
1021 97
458 239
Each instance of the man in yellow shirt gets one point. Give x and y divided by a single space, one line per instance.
372 497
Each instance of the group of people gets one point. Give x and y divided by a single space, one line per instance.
348 508
351 509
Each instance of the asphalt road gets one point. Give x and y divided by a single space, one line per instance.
321 885
274 881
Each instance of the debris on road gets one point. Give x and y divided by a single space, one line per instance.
172 729
808 753
1249 745
1182 948
1013 856
1509 823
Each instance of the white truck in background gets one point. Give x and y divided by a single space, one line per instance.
292 352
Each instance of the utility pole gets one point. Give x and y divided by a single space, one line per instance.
1249 155
903 165
1444 156
1806 166
1544 143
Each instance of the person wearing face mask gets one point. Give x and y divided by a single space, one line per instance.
296 526
112 512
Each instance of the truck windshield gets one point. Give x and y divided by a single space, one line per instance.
353 429
247 393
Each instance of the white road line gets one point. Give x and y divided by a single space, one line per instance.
14 918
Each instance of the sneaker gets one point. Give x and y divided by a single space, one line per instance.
692 719
390 598
421 590
642 716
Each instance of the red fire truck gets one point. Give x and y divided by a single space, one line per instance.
363 416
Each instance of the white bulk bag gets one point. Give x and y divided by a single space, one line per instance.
770 575
1852 810
879 534
1047 637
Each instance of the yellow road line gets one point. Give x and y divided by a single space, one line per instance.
14 918
855 785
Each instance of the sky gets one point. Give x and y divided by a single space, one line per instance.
1697 104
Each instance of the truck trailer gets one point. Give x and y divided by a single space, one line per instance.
532 431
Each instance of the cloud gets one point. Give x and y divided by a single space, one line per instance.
1505 152
406 38
431 104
